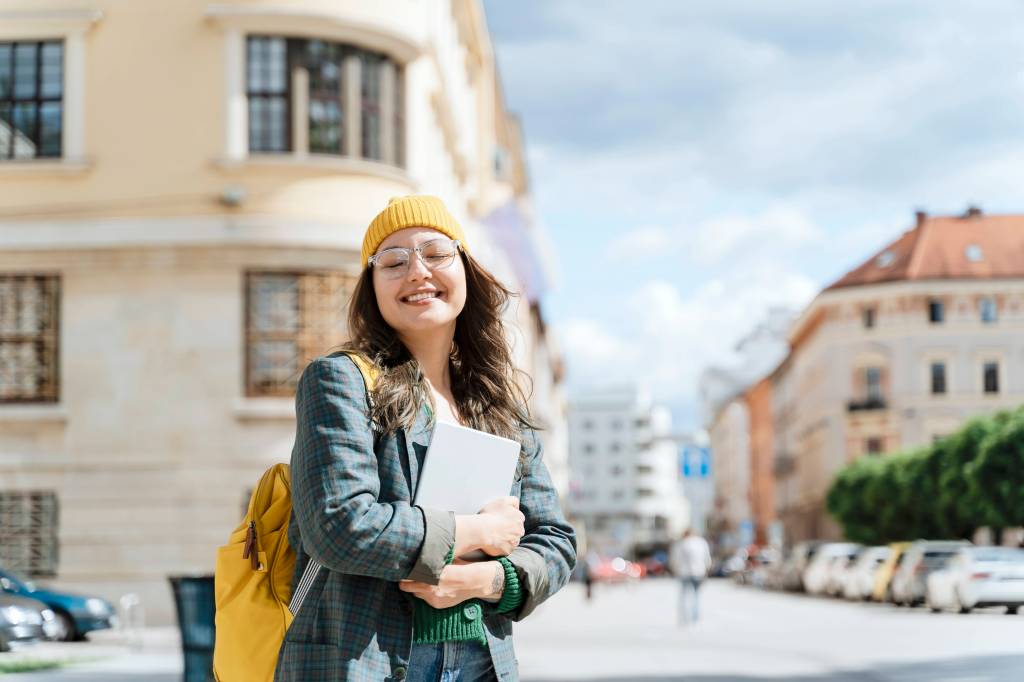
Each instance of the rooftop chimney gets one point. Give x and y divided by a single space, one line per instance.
920 217
972 211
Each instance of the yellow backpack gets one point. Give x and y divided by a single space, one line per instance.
253 576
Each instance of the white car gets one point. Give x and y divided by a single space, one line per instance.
978 577
859 580
817 574
838 572
923 558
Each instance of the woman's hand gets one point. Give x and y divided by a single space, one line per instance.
460 582
503 525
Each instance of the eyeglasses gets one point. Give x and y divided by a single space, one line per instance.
436 254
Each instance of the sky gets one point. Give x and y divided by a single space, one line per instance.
695 163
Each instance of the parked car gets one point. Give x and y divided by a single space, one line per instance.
656 565
838 570
758 566
976 577
923 557
816 576
796 563
24 620
76 614
617 570
859 579
883 576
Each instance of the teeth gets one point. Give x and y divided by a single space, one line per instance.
420 297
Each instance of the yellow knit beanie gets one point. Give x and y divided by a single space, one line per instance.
410 211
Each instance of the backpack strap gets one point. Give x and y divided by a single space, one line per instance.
312 569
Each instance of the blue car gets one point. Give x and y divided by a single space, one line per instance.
76 615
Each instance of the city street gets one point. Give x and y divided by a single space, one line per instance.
627 633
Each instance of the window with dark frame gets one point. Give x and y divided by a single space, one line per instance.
873 383
268 89
28 532
370 98
873 446
990 376
399 117
326 90
31 99
938 376
987 310
29 338
936 311
291 318
869 318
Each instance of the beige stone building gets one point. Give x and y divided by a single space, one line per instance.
183 191
898 352
729 436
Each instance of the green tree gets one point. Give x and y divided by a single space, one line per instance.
963 505
846 500
996 476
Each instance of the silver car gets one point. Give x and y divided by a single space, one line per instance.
24 620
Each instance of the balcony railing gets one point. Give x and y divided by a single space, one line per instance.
872 403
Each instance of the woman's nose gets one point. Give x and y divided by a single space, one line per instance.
417 267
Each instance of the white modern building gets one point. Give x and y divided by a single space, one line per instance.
626 486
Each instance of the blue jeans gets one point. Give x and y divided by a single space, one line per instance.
689 600
451 662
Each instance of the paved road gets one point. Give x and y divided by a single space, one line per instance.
628 633
748 635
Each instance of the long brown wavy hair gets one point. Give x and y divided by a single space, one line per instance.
483 377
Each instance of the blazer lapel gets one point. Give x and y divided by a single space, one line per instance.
417 440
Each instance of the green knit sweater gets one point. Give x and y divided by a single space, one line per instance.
464 622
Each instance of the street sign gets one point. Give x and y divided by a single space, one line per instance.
695 461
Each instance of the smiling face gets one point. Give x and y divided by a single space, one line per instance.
423 301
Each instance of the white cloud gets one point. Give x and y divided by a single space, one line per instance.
776 145
777 230
661 337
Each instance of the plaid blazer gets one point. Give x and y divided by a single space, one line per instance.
352 511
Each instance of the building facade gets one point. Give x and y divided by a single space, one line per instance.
626 481
183 194
897 353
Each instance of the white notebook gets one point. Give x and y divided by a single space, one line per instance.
464 469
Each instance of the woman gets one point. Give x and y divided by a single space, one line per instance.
396 601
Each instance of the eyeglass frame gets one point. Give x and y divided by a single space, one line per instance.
372 260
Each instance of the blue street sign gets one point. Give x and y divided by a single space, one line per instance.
695 461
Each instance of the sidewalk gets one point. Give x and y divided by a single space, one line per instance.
154 655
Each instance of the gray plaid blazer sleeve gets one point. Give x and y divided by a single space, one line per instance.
546 555
336 488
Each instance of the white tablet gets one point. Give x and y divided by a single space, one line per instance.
464 469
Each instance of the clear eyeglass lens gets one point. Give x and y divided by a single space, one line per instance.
435 254
392 259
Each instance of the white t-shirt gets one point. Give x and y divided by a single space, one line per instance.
690 557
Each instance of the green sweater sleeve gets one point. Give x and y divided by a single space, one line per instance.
512 596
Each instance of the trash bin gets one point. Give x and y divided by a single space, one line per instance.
193 598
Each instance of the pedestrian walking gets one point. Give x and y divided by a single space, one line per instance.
689 559
396 600
589 568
